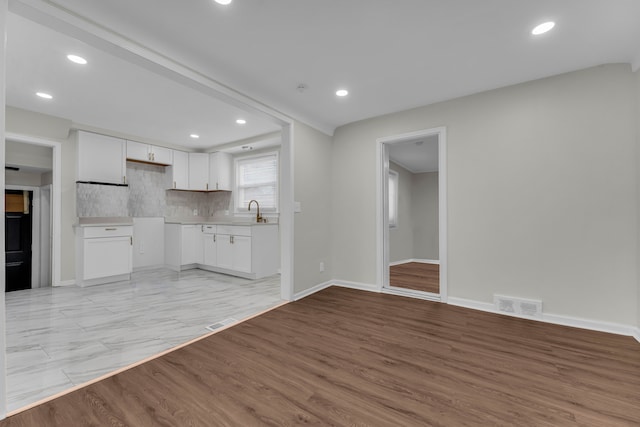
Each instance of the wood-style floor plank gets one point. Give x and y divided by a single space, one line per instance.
347 357
416 275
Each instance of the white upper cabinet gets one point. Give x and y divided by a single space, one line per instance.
220 171
180 171
199 171
101 158
146 153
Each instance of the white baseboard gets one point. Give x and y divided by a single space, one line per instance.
70 282
636 334
557 319
422 261
356 285
411 294
317 288
148 267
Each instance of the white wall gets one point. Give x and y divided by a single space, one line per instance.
541 193
22 154
55 129
3 361
637 75
424 205
401 239
312 188
22 178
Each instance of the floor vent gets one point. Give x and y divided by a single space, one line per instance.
220 324
520 306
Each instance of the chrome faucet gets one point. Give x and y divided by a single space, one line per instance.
258 216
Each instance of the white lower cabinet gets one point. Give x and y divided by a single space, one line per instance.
104 254
250 251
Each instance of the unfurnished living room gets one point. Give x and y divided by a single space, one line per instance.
244 213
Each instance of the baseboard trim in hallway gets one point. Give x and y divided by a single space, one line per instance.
556 319
133 365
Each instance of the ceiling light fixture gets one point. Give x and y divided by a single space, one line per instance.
342 92
241 121
194 136
543 28
44 95
223 2
77 59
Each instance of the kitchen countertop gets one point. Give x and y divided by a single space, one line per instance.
244 223
103 221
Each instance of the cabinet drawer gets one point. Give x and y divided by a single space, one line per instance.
209 229
235 230
106 231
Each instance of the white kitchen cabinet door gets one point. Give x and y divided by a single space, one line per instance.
137 151
220 171
101 158
106 256
241 247
161 155
198 171
180 170
224 251
191 244
210 250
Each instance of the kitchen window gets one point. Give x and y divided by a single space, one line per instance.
393 199
257 179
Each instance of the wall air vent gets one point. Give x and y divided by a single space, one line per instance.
519 306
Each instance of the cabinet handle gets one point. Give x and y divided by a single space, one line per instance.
124 179
131 240
207 185
231 240
148 156
214 238
217 186
153 156
110 229
202 228
174 184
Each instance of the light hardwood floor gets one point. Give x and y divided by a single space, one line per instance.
347 357
417 276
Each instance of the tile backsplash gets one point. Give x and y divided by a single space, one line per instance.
146 196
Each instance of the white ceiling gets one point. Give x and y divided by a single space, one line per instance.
391 55
417 156
112 94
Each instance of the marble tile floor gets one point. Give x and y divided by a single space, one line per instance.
61 337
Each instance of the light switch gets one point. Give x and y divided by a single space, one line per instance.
297 207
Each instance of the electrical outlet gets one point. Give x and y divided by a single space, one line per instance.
321 267
195 212
141 247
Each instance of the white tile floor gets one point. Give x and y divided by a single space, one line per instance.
61 337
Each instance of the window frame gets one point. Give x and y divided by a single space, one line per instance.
240 210
393 181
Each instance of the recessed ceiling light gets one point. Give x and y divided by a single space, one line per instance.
224 2
342 92
194 136
241 121
77 59
543 28
44 95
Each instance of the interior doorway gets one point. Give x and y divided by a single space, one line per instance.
412 214
18 239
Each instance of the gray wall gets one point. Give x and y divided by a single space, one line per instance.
416 236
541 192
401 239
424 204
312 188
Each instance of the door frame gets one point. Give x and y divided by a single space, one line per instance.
382 217
56 199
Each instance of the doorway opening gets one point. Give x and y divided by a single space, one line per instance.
412 214
18 232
